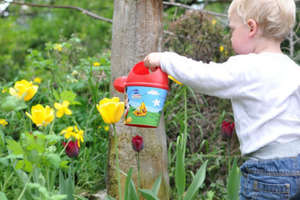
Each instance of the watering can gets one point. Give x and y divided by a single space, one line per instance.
145 94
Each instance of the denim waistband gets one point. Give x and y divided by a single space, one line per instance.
278 150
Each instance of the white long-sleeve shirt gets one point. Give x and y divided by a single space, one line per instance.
264 90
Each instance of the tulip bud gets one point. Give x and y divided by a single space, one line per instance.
72 150
227 129
137 143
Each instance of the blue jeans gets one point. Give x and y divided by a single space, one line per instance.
270 179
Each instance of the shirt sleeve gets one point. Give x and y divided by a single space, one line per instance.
224 80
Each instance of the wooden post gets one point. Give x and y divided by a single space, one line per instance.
137 31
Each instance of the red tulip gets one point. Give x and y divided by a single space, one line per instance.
227 129
72 150
137 143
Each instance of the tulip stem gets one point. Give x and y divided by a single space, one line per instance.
117 161
139 167
65 147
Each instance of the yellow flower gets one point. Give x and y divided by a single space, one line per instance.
111 110
68 132
173 79
106 128
221 48
96 64
213 22
4 90
79 135
41 116
37 80
3 122
62 109
57 47
74 132
24 89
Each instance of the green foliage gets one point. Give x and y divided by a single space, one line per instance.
233 185
35 155
198 36
31 28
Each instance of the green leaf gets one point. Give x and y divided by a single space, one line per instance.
56 95
180 168
109 198
148 194
3 196
12 103
64 164
27 166
156 185
53 139
68 96
53 159
130 191
20 164
2 139
196 183
15 147
233 184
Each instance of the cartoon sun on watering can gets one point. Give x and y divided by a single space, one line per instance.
145 94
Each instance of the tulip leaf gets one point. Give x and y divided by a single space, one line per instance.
180 168
130 191
3 196
2 139
196 183
148 194
156 185
109 198
233 184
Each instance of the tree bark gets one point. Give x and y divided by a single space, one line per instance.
137 30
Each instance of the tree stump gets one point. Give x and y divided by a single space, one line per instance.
137 30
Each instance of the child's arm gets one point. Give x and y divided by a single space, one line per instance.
217 79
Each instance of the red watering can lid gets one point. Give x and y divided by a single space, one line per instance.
140 75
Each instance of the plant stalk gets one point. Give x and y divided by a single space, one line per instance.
117 161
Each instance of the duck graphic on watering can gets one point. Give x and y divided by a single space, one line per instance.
145 94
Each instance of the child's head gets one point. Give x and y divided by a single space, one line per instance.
275 18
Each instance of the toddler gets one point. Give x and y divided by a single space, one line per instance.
263 85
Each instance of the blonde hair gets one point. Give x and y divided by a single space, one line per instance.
276 18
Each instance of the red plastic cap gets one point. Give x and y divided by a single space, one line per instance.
140 76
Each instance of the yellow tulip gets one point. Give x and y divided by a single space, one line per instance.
111 110
173 79
41 116
23 89
3 122
62 109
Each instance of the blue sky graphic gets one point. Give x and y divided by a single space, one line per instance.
152 97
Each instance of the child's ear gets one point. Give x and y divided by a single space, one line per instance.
253 27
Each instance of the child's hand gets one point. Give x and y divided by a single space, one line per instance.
152 61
